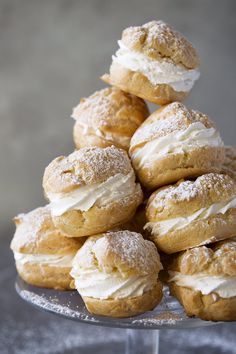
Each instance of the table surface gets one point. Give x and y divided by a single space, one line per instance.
25 330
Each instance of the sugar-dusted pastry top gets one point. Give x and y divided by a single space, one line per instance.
36 234
124 251
86 166
186 197
168 119
218 259
111 114
156 39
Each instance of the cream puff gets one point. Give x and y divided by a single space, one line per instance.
42 253
192 213
174 143
108 117
203 279
116 273
154 62
229 165
91 191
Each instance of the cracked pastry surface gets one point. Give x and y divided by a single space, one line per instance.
42 253
173 143
192 213
116 273
204 280
108 117
154 62
91 191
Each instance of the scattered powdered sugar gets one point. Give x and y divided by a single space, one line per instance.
165 318
51 304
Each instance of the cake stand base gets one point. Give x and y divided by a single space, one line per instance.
142 342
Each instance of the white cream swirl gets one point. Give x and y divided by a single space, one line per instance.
53 260
83 198
162 71
195 136
224 286
98 284
165 226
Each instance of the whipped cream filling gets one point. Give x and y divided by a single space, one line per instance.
195 136
51 260
100 285
163 227
109 136
83 198
162 71
224 286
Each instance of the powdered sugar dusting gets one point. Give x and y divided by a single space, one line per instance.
96 163
171 118
109 107
164 318
158 39
133 250
205 186
85 166
215 259
29 225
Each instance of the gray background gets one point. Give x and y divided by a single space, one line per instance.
51 54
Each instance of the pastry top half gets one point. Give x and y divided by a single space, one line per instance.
171 131
111 115
187 197
159 53
86 166
116 264
157 39
177 129
208 270
36 234
218 259
90 176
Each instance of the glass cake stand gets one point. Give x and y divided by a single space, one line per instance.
142 331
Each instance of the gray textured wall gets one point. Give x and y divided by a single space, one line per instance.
53 52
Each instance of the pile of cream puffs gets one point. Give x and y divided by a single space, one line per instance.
138 184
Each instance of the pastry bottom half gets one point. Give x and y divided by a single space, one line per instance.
45 276
208 307
137 84
174 167
125 307
76 223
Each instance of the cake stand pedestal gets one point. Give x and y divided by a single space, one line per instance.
142 332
